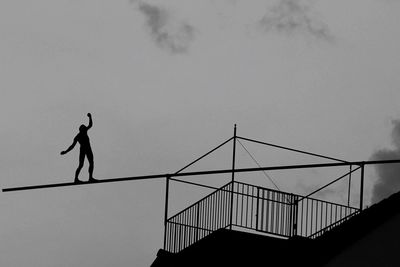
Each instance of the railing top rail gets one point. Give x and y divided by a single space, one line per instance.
200 200
264 188
300 196
222 188
328 202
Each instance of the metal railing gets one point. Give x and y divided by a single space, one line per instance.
251 207
316 216
264 210
199 220
333 225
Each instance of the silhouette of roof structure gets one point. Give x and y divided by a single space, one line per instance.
341 237
235 248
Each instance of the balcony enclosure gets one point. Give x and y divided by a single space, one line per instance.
249 207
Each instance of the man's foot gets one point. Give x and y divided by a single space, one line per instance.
92 180
77 181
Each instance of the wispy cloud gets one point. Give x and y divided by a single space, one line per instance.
388 174
294 16
167 32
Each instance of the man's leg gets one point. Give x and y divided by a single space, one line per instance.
89 156
81 159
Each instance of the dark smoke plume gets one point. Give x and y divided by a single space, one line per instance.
388 174
175 37
294 16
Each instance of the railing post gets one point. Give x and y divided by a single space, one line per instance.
197 222
166 210
257 207
293 215
362 187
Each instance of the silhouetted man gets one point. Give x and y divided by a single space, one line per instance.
83 139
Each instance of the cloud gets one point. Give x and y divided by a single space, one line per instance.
294 16
168 33
388 174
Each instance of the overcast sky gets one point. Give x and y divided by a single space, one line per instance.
165 81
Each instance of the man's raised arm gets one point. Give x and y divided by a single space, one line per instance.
90 121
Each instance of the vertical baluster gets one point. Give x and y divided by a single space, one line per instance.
272 211
241 205
247 205
312 215
237 204
183 234
266 212
321 219
282 217
220 209
252 207
262 211
335 213
211 214
215 212
226 201
281 212
277 213
175 237
187 222
326 214
341 208
207 214
287 219
302 217
266 201
258 209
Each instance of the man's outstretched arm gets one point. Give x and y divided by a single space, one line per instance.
70 147
90 121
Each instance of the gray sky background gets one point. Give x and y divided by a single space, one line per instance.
165 81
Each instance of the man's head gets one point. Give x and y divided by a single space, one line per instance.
82 128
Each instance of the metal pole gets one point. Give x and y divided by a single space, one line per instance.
234 154
233 176
362 187
166 210
348 193
160 176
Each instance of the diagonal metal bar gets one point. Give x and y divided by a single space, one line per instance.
293 150
264 172
205 155
193 183
328 184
